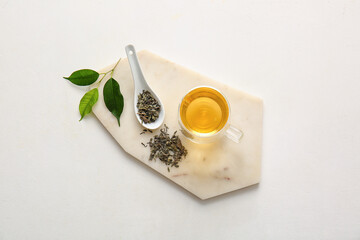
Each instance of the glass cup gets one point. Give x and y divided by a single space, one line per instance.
204 116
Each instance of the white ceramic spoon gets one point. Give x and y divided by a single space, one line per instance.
140 84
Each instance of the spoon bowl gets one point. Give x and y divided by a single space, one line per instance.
140 84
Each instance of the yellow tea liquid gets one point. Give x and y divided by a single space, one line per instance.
204 111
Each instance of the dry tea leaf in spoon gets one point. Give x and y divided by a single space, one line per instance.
148 107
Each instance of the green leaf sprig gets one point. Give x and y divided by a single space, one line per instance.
83 77
87 102
113 98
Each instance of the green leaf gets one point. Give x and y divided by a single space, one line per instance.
113 98
88 101
83 77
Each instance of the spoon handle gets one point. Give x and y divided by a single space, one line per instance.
139 80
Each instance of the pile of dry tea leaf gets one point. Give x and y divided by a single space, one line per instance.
148 107
167 149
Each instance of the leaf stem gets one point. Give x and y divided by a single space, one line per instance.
98 83
106 72
110 71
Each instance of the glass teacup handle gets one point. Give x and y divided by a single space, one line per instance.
234 134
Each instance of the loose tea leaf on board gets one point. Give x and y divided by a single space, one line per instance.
146 130
87 102
83 77
166 148
113 98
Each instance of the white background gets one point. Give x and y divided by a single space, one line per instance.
61 179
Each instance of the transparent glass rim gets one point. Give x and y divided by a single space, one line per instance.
203 135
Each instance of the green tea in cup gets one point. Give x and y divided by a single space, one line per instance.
204 114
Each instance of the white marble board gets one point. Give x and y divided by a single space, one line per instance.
208 170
